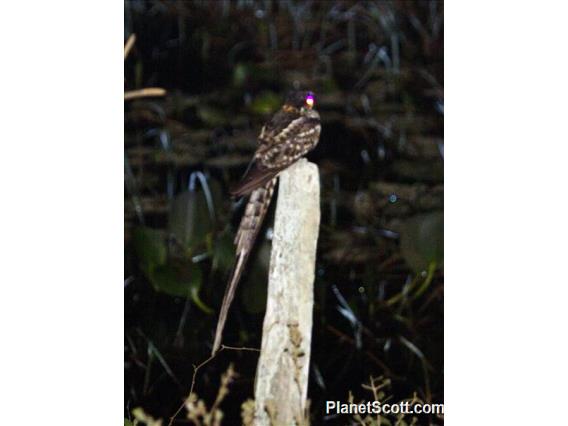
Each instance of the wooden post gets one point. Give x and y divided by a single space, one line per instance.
281 386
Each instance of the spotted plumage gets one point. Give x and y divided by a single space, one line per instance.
291 133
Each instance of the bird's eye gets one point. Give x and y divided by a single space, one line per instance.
310 101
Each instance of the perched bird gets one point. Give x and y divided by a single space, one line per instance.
291 133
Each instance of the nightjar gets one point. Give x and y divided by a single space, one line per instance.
291 133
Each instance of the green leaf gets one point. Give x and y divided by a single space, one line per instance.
211 116
266 103
180 279
223 253
194 294
149 246
248 74
176 279
422 241
217 194
190 220
241 74
128 423
164 279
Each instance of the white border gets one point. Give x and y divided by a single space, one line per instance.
61 225
506 212
61 177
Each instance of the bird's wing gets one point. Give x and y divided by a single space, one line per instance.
280 146
255 177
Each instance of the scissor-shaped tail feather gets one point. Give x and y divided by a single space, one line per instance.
251 223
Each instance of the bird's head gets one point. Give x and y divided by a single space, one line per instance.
300 101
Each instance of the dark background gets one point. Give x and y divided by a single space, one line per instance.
377 70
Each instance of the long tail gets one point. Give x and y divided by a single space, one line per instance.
251 223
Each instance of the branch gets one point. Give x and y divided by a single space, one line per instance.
196 369
129 44
141 93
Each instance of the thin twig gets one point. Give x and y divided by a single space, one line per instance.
242 348
146 92
129 44
196 369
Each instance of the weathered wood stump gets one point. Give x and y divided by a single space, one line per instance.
282 374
